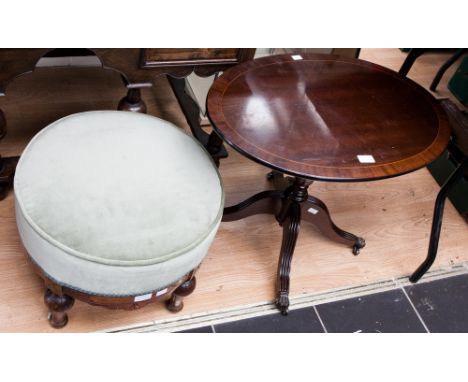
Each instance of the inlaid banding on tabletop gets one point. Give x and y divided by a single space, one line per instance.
312 117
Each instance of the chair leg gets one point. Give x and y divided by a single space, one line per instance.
413 54
444 67
437 220
212 142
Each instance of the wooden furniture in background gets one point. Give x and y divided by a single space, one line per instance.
326 118
138 67
60 299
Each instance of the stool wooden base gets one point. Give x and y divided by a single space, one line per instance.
59 299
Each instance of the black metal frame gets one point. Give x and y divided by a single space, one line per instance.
437 220
454 151
460 52
414 53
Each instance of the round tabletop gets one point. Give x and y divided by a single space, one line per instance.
325 117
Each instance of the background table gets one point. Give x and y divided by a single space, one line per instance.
321 117
137 67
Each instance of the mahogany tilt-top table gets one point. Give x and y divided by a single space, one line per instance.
326 118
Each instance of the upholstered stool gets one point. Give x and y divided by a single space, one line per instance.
116 209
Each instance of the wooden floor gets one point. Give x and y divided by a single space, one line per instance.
393 215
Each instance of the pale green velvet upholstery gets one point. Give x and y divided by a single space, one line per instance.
116 203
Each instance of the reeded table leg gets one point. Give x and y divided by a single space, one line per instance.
316 212
291 225
289 217
289 203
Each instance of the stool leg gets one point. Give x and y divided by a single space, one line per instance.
413 54
176 303
58 305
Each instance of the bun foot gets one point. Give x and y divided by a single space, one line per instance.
175 303
58 305
57 319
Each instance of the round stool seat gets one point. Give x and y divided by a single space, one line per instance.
116 203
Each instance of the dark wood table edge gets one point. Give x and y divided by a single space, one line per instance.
438 145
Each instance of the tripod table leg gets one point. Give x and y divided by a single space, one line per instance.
315 212
291 225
